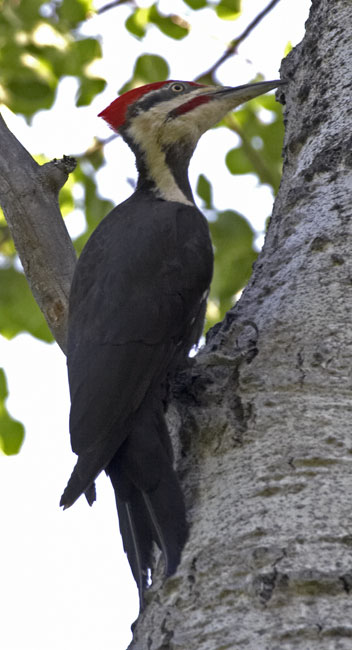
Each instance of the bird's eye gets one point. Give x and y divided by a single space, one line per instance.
177 88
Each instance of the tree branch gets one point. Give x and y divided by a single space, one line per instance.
112 5
29 198
232 48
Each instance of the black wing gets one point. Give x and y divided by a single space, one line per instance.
139 284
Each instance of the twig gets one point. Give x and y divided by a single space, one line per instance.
97 145
236 41
112 5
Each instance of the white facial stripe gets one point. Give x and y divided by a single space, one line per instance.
146 131
153 133
144 135
200 118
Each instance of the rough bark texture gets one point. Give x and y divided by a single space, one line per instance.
29 198
265 418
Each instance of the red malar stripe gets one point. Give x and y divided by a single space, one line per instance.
193 103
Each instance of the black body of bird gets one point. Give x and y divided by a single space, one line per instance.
137 307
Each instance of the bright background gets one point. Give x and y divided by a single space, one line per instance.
65 582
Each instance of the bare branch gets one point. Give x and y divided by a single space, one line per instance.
232 48
98 145
29 198
112 5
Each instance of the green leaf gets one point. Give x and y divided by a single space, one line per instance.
26 11
168 25
238 162
7 247
196 4
266 162
18 310
95 208
95 155
228 9
11 431
148 68
233 239
88 89
171 26
288 48
66 200
204 190
137 22
86 50
74 12
60 60
79 54
28 90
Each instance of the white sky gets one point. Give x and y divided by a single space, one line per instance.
65 582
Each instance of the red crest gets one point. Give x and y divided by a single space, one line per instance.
115 113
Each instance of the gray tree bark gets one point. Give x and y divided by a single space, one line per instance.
264 417
29 197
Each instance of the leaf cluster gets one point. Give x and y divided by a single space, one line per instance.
40 43
172 25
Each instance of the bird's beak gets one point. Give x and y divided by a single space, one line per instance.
241 94
208 106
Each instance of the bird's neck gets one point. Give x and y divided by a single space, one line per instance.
164 172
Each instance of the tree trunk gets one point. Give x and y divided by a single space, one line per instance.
264 415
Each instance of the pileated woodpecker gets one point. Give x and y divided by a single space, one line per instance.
137 307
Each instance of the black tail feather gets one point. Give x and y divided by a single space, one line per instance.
136 535
150 505
166 509
148 496
91 494
75 487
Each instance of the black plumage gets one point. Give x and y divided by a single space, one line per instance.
137 306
